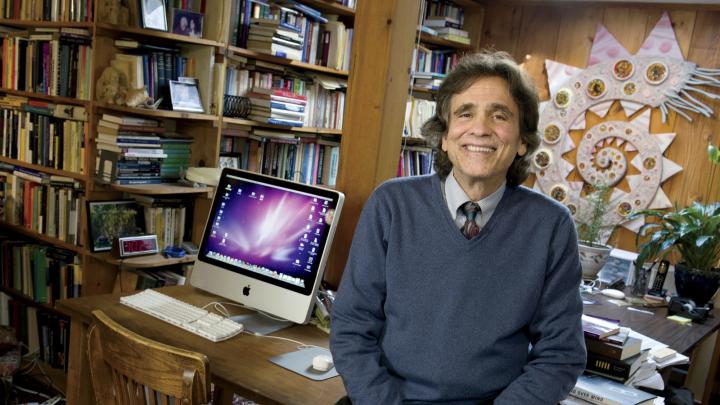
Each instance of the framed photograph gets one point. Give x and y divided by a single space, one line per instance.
187 23
185 96
108 220
153 14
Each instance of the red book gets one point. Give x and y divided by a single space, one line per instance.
277 92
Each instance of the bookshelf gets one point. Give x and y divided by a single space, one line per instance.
367 138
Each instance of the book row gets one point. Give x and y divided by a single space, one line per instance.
444 13
417 112
43 332
308 160
47 205
50 63
47 10
34 133
291 30
42 273
153 68
437 61
281 98
167 222
415 161
160 278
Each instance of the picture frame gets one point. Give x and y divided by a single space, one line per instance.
188 23
153 14
185 96
108 220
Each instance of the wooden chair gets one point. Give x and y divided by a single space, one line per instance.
128 369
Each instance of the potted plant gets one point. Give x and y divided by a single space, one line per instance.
694 234
591 233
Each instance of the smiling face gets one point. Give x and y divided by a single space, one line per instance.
483 135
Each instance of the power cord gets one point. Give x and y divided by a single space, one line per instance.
220 307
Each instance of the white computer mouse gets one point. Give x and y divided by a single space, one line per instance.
612 293
322 363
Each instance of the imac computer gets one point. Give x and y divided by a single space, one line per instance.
266 242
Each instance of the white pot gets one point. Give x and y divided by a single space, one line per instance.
592 258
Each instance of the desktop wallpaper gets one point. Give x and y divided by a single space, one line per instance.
277 230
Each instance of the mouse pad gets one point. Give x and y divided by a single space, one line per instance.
301 362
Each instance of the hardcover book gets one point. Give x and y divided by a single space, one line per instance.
601 391
614 350
619 370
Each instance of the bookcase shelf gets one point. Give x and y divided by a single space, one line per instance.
160 189
44 24
423 90
330 7
39 96
144 262
15 294
34 235
310 130
414 141
116 32
429 39
44 169
157 113
286 62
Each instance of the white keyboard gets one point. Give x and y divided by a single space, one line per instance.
186 316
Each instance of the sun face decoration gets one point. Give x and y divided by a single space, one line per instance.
617 153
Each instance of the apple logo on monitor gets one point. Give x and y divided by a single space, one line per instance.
246 290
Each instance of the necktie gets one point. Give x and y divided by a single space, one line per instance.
470 229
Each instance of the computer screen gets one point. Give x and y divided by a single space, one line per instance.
266 242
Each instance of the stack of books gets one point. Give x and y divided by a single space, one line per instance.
260 34
129 150
446 20
611 352
277 106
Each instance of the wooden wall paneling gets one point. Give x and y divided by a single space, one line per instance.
377 92
501 27
627 25
474 23
534 49
577 26
98 277
690 146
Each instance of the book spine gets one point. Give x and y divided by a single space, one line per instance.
608 367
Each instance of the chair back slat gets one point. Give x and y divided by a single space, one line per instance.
129 369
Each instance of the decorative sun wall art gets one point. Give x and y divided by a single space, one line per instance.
623 155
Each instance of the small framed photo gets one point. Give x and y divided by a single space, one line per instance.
187 23
153 14
108 220
185 96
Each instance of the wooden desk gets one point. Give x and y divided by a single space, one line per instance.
239 364
683 338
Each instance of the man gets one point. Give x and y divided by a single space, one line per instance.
445 301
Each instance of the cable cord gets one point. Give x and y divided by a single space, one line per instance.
220 307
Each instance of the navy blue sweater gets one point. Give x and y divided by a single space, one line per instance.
424 315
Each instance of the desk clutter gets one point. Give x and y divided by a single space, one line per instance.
620 361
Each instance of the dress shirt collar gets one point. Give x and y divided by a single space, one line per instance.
455 196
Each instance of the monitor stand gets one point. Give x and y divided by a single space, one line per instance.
260 324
